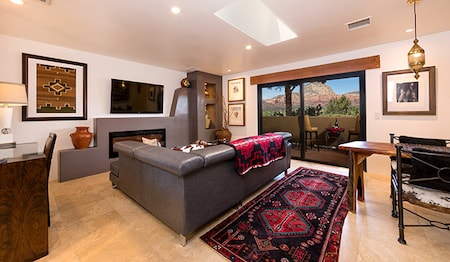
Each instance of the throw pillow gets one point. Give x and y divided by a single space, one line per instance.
188 148
197 145
151 142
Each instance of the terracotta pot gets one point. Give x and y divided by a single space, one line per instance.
223 134
81 138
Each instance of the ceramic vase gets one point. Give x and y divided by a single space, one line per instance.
81 138
223 134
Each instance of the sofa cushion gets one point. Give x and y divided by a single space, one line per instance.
128 147
215 154
176 162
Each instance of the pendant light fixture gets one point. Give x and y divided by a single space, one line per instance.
416 56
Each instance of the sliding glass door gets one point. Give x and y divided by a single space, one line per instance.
320 113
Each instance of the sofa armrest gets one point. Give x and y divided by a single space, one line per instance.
285 135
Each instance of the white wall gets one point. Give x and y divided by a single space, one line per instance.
100 71
393 57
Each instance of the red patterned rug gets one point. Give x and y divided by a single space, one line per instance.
298 218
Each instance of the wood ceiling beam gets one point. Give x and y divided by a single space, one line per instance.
353 65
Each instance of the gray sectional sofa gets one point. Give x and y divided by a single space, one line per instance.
187 190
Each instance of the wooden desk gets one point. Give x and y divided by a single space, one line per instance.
23 205
358 152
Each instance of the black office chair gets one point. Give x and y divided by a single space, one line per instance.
48 151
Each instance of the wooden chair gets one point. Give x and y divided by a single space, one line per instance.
355 131
309 131
48 151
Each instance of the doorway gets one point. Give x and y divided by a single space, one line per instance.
319 112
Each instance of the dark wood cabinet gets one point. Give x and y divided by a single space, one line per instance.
23 209
205 105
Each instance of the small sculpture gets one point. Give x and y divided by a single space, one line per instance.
185 82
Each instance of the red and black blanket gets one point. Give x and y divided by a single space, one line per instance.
257 151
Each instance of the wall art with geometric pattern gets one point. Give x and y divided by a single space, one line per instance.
56 89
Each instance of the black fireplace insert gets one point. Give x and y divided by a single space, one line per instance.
135 135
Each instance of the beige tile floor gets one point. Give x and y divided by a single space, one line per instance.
93 222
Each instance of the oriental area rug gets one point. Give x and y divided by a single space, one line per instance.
298 218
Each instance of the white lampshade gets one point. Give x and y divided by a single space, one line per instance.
12 94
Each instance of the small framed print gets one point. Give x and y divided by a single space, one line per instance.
236 90
405 95
236 114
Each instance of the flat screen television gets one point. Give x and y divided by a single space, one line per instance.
135 97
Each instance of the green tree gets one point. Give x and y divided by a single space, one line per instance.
313 111
340 106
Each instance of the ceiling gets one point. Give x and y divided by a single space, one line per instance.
147 32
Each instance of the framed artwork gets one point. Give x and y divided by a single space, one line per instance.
56 89
236 114
236 90
405 95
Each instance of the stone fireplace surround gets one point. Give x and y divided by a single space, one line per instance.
76 163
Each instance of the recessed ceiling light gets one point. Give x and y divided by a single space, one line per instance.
17 2
409 30
175 10
248 47
192 69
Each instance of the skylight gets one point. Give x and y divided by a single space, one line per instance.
256 20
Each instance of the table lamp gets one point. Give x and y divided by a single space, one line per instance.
11 94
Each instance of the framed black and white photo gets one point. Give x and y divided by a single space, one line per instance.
405 95
56 89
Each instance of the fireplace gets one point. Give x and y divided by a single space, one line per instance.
135 135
